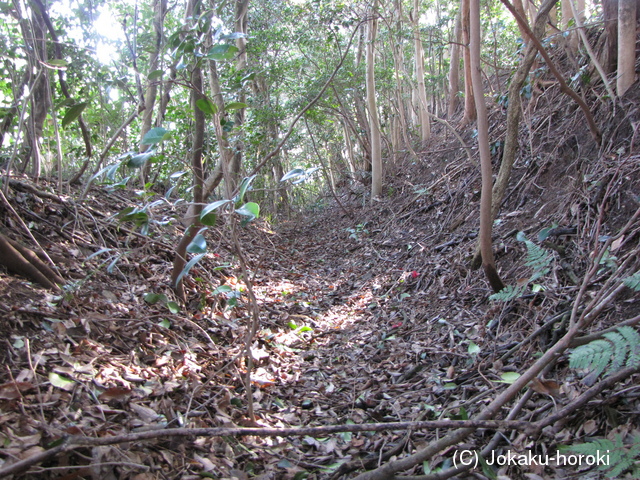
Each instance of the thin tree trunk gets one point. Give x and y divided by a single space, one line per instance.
423 109
469 101
159 9
513 122
376 142
486 245
626 45
454 69
180 259
241 65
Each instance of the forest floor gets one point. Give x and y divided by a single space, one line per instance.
368 313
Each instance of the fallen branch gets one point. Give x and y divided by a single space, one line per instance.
76 441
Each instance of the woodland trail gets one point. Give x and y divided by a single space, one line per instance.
369 315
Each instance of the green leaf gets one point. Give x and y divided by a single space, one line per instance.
155 136
295 173
198 244
222 52
188 267
633 282
473 349
165 323
207 106
249 209
61 382
222 289
73 113
509 377
156 74
153 298
235 106
207 217
244 186
173 307
113 264
140 159
57 63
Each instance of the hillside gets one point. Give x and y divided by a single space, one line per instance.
368 313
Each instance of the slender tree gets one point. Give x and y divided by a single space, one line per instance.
372 105
626 45
196 165
486 245
454 69
421 91
469 101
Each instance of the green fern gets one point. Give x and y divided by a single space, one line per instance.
508 293
617 458
618 349
633 281
538 259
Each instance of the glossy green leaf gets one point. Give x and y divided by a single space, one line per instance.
207 216
222 52
295 173
155 136
207 106
165 323
61 382
188 267
235 106
73 113
249 209
198 244
244 186
222 289
140 159
173 307
155 75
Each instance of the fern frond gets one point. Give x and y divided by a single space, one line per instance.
508 293
632 337
633 281
619 354
537 257
619 458
618 349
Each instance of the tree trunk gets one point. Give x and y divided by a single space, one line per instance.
196 166
513 122
454 69
376 142
626 45
517 4
241 65
610 14
159 9
469 101
486 245
423 109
